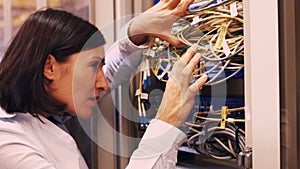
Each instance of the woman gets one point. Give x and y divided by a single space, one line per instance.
54 66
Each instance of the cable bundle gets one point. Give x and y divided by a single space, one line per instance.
208 136
219 143
217 27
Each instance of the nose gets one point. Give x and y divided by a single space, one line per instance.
101 84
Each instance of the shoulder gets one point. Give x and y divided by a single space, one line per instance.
9 124
15 128
16 142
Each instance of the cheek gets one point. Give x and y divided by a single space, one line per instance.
83 90
83 80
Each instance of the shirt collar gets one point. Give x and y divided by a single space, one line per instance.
5 115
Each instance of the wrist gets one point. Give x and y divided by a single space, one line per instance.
138 39
136 33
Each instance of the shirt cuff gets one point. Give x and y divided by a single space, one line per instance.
159 138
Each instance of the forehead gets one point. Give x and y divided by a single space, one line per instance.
94 53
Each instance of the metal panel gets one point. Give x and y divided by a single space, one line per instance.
262 82
288 84
7 15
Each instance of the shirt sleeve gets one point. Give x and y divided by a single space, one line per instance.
122 59
158 147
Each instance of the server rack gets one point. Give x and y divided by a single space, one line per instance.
261 20
259 108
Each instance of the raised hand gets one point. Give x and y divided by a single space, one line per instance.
179 94
157 21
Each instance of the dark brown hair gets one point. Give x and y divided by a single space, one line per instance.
50 31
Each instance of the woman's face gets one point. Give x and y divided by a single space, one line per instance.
81 81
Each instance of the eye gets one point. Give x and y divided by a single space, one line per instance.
95 65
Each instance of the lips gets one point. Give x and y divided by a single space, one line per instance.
95 98
92 102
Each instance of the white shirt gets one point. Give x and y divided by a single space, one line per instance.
28 143
158 147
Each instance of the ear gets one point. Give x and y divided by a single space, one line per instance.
50 67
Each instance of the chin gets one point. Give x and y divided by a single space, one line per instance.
85 114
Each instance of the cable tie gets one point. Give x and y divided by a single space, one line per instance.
226 48
233 9
144 96
137 92
230 120
196 20
223 116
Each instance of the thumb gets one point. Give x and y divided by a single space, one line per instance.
172 40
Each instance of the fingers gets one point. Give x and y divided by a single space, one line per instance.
185 58
179 7
195 87
183 6
191 65
171 39
185 65
171 3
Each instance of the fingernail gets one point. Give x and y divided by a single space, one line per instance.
197 55
194 47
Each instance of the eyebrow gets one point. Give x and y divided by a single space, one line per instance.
102 59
